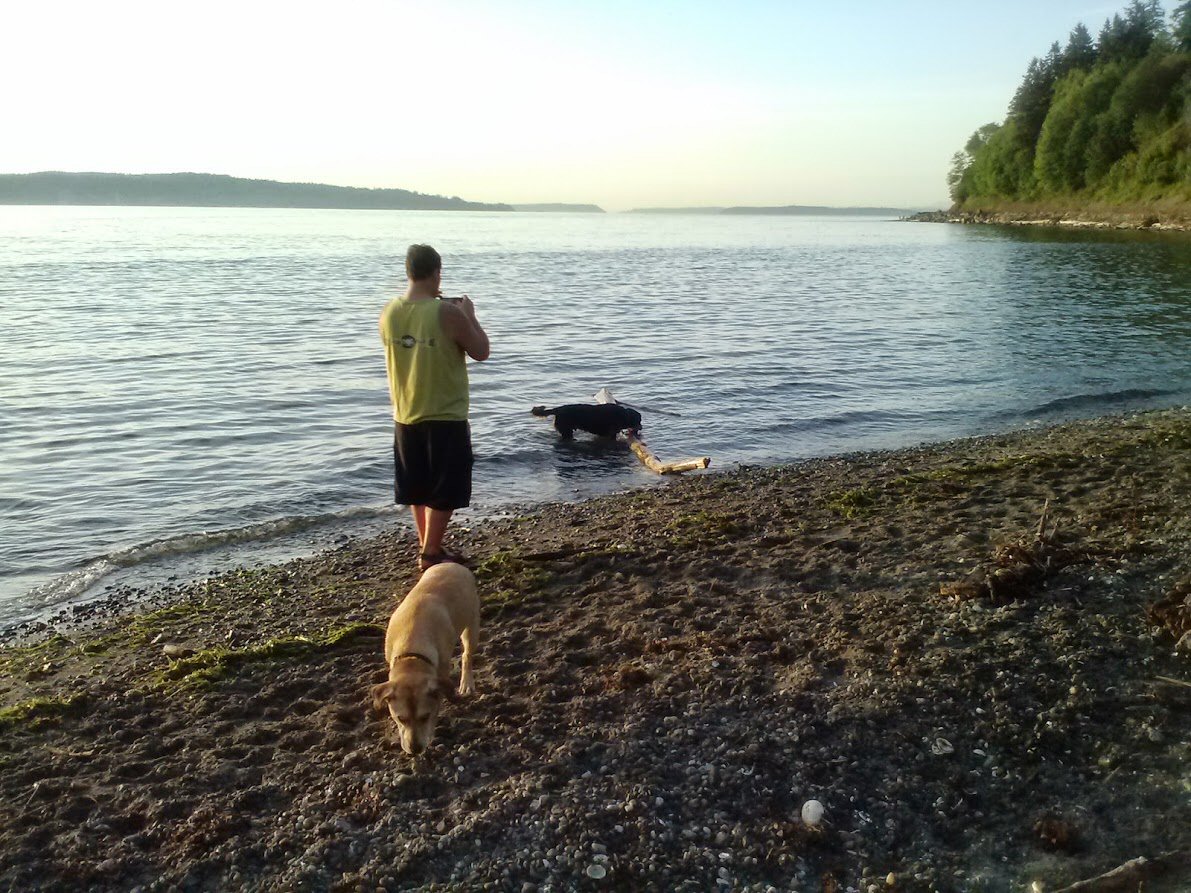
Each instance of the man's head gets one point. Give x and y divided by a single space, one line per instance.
422 262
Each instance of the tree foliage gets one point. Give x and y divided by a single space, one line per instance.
1108 119
1182 26
1080 53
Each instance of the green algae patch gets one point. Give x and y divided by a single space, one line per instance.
23 659
705 524
854 503
35 712
140 629
506 578
215 664
1170 433
693 529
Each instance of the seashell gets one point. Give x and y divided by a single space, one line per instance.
941 747
812 813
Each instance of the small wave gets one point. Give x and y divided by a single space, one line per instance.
873 418
516 457
67 586
1085 401
74 583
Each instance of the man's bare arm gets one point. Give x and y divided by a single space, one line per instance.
458 319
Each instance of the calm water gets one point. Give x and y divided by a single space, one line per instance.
185 388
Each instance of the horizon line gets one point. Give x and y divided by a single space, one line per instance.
671 208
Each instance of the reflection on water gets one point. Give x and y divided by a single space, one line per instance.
1087 320
586 459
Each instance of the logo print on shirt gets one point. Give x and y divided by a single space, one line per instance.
411 341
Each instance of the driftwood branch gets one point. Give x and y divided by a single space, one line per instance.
653 463
1172 681
1133 874
1041 534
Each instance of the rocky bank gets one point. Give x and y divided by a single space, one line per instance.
1072 219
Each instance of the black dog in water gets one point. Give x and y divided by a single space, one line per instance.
600 419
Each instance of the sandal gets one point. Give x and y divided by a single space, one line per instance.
427 561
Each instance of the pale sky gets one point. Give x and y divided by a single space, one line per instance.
617 103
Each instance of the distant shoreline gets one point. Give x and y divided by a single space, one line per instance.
782 211
1098 218
559 208
200 190
214 191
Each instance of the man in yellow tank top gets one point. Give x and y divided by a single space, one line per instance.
427 339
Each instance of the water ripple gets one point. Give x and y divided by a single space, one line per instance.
208 382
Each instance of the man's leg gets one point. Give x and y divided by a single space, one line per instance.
419 513
408 468
436 527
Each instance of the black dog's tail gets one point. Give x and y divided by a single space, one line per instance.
542 411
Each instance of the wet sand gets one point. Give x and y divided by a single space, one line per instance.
664 678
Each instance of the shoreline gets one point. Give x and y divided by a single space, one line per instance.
115 594
1070 219
665 675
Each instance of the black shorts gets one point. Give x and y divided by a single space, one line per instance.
432 464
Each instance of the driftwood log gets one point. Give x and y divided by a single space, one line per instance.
653 463
1133 874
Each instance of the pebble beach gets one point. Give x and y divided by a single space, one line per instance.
973 655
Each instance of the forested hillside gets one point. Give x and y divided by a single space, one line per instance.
1098 123
213 191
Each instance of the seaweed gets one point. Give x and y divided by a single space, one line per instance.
1018 569
36 711
215 664
854 503
1172 612
508 578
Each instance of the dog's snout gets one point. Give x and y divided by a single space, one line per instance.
412 742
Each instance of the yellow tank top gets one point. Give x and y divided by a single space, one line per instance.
427 370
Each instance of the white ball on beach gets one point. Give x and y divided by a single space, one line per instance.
812 813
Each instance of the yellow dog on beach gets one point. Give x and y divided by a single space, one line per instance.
443 607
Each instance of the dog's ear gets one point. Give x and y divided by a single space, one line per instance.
382 694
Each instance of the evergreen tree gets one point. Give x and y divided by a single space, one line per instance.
1080 53
1050 65
1129 38
1110 44
1146 19
1181 18
1032 99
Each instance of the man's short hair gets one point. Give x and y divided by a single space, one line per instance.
422 262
